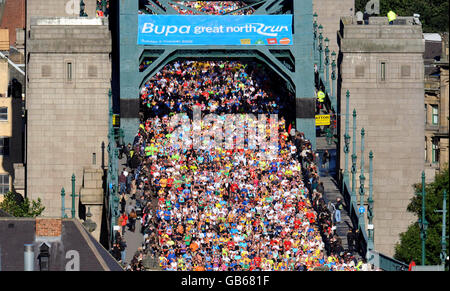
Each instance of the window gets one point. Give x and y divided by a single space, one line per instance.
3 113
426 114
69 71
4 146
383 71
4 184
435 115
435 150
426 150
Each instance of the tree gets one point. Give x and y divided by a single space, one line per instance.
15 205
409 247
433 13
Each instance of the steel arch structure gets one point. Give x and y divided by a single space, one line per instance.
294 63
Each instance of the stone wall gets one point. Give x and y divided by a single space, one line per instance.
329 13
67 112
392 113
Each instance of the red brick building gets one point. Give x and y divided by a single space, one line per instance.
13 17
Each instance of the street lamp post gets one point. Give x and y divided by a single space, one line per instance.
73 196
347 140
422 221
315 37
327 64
320 50
370 243
333 79
444 237
354 158
444 222
362 189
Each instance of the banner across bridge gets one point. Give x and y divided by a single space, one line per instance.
215 30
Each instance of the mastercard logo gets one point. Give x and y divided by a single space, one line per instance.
285 41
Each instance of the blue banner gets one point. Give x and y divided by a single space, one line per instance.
215 30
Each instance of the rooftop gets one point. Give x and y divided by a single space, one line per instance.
65 237
84 21
381 20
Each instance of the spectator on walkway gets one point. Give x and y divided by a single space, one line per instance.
123 202
122 221
123 250
122 183
132 220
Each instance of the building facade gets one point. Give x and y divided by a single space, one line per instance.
382 67
436 103
11 124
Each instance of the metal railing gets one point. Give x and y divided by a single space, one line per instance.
352 210
112 197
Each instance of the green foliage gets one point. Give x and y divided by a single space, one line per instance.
410 247
15 205
433 13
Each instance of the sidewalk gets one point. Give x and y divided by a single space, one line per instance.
134 239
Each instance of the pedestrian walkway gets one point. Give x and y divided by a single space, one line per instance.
332 190
331 194
133 239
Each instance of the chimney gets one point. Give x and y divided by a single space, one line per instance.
28 257
48 227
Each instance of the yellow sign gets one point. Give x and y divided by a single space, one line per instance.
116 120
323 120
246 41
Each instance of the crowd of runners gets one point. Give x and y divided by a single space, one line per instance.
205 205
205 7
217 208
